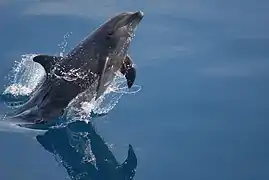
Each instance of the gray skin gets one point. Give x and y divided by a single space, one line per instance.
92 64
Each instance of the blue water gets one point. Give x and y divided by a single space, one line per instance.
203 109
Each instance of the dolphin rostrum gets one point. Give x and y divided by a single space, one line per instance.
92 64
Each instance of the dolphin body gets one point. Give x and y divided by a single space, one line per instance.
92 64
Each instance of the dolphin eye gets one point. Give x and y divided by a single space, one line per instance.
110 34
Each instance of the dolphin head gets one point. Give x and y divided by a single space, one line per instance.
111 41
117 33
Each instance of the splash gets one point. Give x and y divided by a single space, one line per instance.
27 75
84 107
64 43
24 78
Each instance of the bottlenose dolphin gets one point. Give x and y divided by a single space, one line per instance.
92 64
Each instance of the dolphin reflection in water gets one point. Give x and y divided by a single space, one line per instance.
85 155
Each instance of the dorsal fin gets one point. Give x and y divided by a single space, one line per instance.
46 61
128 167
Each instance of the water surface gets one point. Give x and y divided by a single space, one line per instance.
202 112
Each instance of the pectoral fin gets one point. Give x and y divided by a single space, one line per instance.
47 61
128 70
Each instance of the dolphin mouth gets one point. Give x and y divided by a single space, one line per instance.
130 20
135 18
